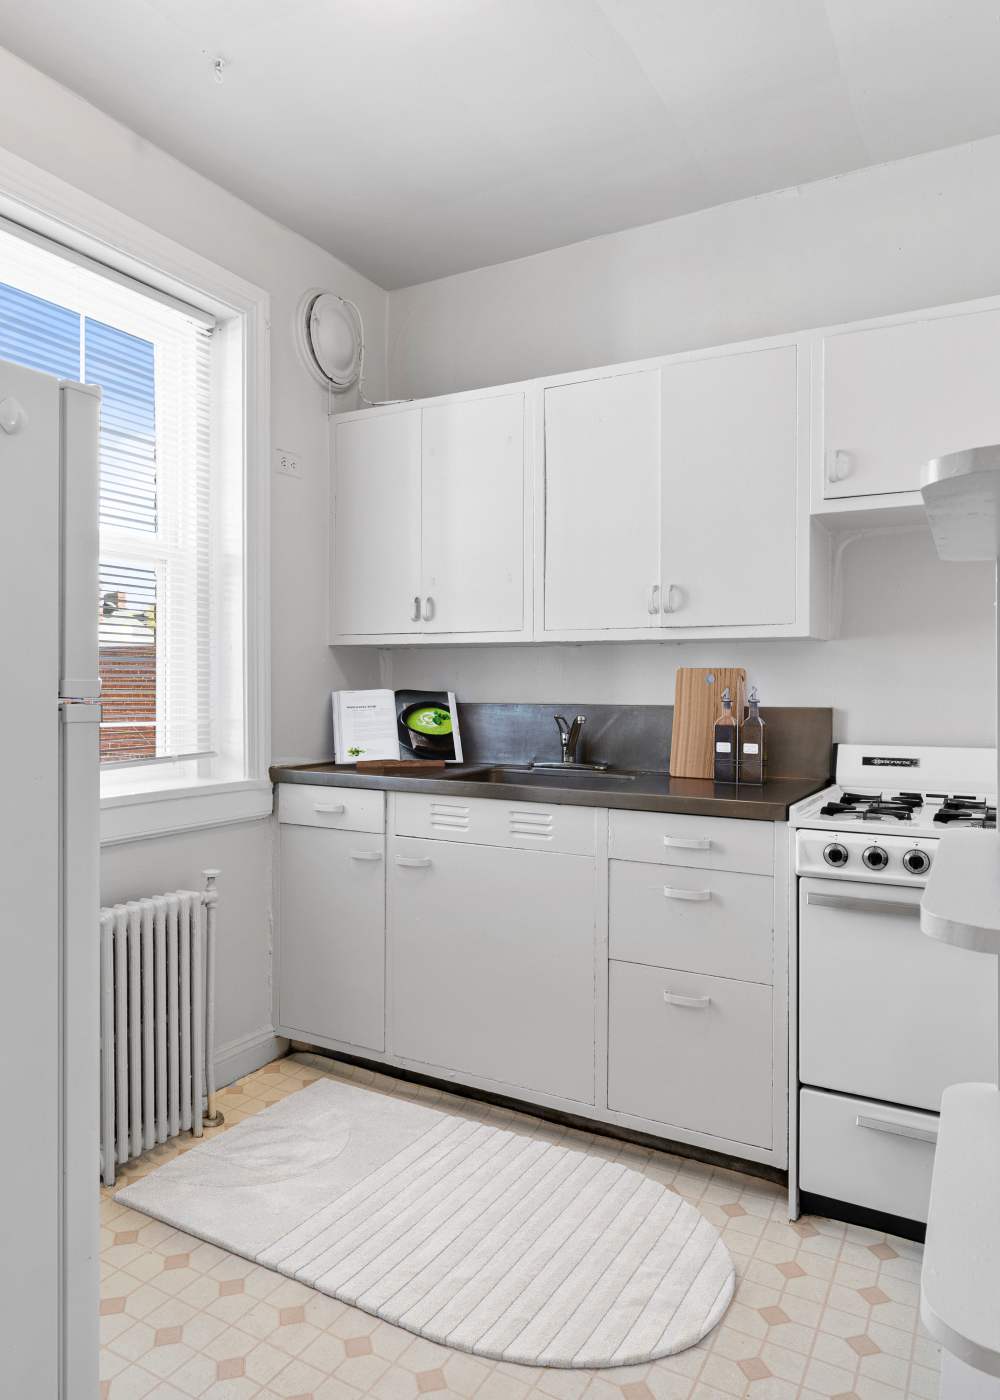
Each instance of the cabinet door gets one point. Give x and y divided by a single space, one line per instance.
602 503
376 538
492 963
730 436
332 935
473 515
896 396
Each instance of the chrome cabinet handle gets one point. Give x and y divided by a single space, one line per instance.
838 464
695 1003
672 892
430 608
414 862
366 855
329 811
689 843
669 593
653 606
885 1125
415 614
862 905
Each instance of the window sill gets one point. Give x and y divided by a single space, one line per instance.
137 816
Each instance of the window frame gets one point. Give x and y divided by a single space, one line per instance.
142 800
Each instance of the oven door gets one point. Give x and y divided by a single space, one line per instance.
884 1011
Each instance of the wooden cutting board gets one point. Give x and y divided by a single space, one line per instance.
697 705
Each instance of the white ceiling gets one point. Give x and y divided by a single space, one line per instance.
416 138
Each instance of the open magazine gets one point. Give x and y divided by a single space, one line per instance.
409 724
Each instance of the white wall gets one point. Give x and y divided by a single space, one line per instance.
913 659
57 131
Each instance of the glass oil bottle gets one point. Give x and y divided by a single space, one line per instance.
726 740
752 755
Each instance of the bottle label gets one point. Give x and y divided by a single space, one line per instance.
751 748
723 748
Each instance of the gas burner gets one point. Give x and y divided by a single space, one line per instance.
873 806
967 810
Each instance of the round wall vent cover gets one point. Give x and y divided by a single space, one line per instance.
329 336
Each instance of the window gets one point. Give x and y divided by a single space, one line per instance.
170 604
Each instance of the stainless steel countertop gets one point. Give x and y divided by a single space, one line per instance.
638 792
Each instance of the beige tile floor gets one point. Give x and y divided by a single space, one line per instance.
821 1308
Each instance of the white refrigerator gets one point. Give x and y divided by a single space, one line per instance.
49 890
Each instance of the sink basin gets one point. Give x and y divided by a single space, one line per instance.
541 777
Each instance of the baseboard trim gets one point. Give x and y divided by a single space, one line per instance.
250 1052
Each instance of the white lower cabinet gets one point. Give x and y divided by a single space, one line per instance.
493 963
331 975
496 944
691 1051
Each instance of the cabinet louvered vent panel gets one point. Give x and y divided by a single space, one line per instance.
536 825
449 816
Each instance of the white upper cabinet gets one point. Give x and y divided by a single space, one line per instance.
730 476
672 498
376 533
429 521
602 503
473 515
896 395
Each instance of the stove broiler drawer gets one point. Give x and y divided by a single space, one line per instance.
885 1012
869 1154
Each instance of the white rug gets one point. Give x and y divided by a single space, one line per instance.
463 1232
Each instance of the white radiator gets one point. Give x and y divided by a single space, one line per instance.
157 1021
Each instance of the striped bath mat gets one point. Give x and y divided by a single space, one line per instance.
461 1231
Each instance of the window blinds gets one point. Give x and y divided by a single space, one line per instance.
156 598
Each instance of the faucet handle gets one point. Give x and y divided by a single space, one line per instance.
561 724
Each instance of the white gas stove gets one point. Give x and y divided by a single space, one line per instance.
887 1018
882 818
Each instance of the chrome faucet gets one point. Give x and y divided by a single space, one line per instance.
569 741
569 736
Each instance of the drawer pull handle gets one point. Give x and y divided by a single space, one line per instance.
695 1003
329 811
689 843
672 892
366 855
908 1130
414 862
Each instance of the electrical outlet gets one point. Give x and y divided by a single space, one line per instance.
287 463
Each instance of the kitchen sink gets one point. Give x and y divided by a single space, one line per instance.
513 776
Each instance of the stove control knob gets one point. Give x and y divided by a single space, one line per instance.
876 857
835 854
916 862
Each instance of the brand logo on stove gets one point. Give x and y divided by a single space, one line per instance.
876 761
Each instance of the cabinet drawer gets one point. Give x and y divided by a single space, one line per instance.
866 1153
705 843
347 809
697 921
691 1051
528 826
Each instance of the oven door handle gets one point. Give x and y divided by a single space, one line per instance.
899 1129
859 904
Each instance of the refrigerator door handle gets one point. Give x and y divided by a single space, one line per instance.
79 420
